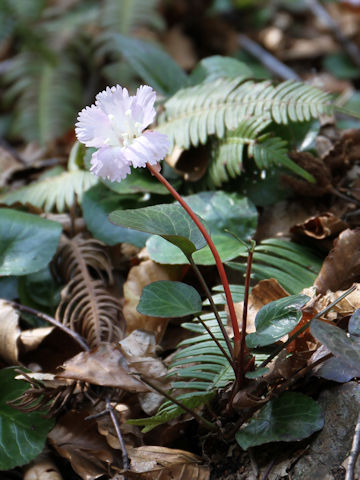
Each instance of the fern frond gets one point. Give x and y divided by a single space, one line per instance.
56 192
48 94
87 306
212 107
123 17
294 266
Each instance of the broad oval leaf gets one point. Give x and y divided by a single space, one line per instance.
169 221
22 435
223 213
169 299
291 417
97 203
276 319
336 340
27 242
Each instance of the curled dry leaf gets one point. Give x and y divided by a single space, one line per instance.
78 440
341 267
140 276
87 306
344 308
131 434
191 164
139 349
9 333
42 468
105 366
161 463
320 227
261 294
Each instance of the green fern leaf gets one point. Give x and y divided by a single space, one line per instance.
56 192
45 105
212 107
293 266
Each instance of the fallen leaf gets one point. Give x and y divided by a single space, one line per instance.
341 267
261 294
139 349
191 164
9 333
105 365
180 47
161 463
31 339
78 440
140 276
320 226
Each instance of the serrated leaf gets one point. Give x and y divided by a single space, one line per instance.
168 410
169 299
291 417
336 340
276 319
22 435
27 242
56 192
169 221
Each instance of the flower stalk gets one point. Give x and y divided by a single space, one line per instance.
219 264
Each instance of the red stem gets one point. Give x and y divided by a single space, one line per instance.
243 348
219 265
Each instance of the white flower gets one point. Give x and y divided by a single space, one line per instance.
115 126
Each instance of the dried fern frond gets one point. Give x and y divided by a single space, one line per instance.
87 307
211 108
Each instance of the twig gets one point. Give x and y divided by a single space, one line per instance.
125 456
109 410
305 326
323 15
210 426
354 453
268 469
269 61
214 309
43 316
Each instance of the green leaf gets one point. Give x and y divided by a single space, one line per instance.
341 66
276 319
222 211
217 66
354 323
53 192
169 410
27 242
149 61
140 181
336 340
164 252
291 417
169 299
97 203
22 434
169 221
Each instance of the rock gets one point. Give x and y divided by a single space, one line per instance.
331 447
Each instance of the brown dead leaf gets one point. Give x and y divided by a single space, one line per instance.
320 226
191 164
262 293
341 267
9 333
42 468
140 276
161 463
139 349
78 440
344 308
105 365
309 47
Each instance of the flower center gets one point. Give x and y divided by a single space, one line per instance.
124 131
